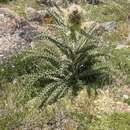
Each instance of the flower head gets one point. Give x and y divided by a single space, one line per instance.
74 16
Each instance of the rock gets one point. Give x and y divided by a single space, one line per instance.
8 20
122 45
9 13
103 27
125 97
15 33
39 16
123 107
33 15
109 26
99 29
26 30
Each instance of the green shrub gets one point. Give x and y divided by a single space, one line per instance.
127 101
12 120
65 68
71 64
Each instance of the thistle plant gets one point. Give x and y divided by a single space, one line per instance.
67 67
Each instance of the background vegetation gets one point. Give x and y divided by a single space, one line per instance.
45 87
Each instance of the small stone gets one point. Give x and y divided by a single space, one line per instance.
125 97
109 26
122 46
32 14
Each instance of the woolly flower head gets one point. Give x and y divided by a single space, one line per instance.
73 14
74 8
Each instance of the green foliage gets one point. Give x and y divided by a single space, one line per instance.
12 120
72 62
115 121
60 69
101 13
65 67
14 67
127 101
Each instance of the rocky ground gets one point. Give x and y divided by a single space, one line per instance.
16 32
